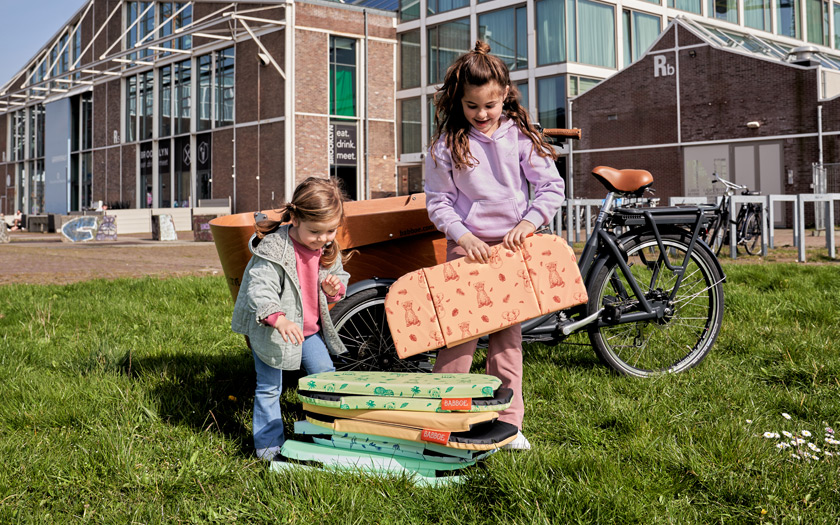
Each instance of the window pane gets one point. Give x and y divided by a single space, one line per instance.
692 6
640 30
183 19
496 29
342 76
446 43
551 31
757 14
410 59
836 25
439 6
146 110
183 97
787 18
723 10
551 101
205 64
224 87
409 10
817 16
131 109
597 34
165 98
522 87
411 129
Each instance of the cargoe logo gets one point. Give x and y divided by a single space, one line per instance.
412 231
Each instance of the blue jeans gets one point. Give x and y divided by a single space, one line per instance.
268 421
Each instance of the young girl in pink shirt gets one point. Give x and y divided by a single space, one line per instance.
484 155
295 270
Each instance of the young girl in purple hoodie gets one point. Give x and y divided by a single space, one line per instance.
484 154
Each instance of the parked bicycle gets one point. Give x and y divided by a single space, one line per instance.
655 291
748 223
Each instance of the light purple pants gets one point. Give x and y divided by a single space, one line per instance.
504 357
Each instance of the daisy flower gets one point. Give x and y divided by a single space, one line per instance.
785 415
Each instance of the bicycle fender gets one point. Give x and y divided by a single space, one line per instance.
367 284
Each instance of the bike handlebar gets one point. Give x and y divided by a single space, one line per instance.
574 133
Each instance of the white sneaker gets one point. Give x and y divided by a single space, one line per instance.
520 442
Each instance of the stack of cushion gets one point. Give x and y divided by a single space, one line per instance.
425 425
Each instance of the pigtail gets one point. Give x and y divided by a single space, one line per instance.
268 226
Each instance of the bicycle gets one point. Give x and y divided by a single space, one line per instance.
748 224
655 291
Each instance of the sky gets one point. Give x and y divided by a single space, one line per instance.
25 26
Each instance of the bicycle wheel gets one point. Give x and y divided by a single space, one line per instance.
752 234
674 343
363 328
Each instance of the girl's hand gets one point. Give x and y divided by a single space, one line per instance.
289 330
476 249
331 285
516 236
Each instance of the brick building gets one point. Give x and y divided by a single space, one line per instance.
163 104
703 101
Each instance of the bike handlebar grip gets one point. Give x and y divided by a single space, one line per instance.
574 133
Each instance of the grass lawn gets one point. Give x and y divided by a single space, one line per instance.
130 401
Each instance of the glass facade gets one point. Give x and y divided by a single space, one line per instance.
817 14
508 41
446 43
343 127
787 18
757 14
410 56
411 132
726 10
640 30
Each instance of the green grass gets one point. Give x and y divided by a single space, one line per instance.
130 401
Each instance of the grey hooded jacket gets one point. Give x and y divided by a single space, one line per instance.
270 284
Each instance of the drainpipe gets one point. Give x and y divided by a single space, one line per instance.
570 169
289 104
367 110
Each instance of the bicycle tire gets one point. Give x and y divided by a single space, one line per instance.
752 234
363 328
650 348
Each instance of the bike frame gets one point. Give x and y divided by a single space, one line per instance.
604 243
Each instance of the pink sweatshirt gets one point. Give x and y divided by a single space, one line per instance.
491 197
308 263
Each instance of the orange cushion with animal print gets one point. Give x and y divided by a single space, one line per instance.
460 300
411 315
554 273
473 299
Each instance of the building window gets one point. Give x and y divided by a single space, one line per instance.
640 30
551 101
440 6
342 76
183 18
131 109
817 19
182 77
596 23
692 6
551 31
146 91
409 10
580 85
224 84
723 10
787 18
757 14
205 92
165 99
140 22
522 87
836 25
508 41
411 130
410 59
446 43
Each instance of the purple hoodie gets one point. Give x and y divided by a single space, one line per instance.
491 197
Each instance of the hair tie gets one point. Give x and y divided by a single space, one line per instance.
291 206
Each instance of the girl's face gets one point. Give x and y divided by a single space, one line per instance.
314 235
483 106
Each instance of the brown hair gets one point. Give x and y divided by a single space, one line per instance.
477 68
314 200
